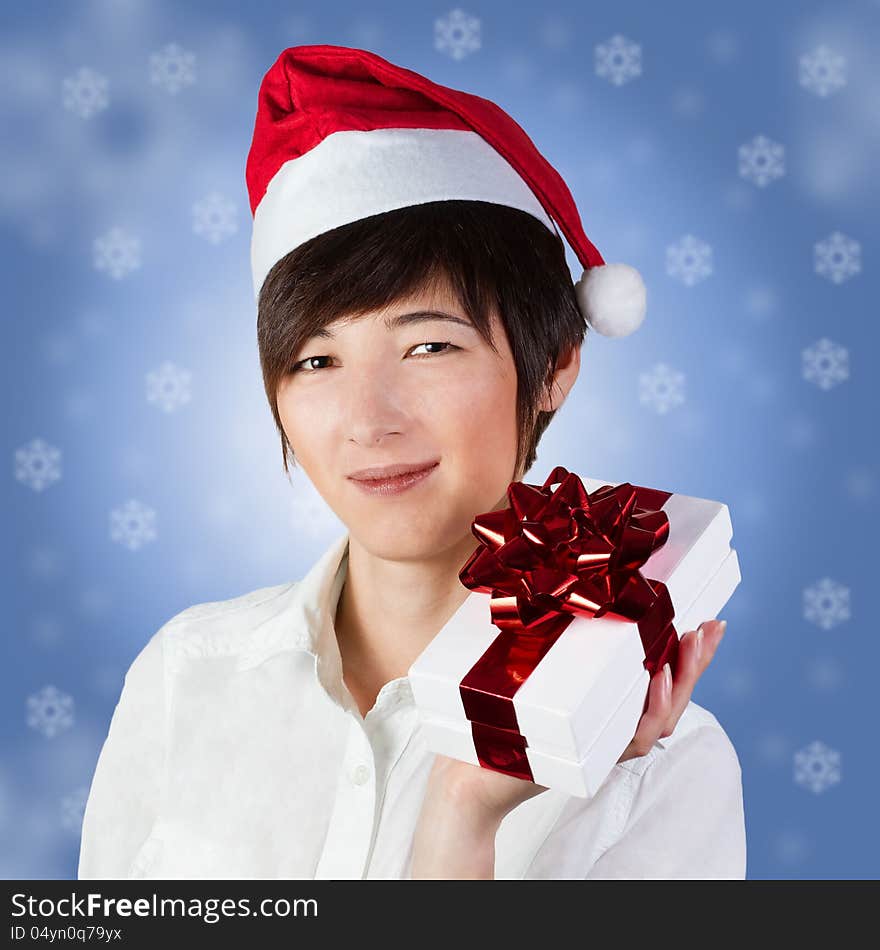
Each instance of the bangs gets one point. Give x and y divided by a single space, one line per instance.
488 256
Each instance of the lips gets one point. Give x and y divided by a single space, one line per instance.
386 472
397 484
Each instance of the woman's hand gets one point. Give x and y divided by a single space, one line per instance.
667 701
464 804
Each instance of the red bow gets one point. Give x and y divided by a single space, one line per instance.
551 555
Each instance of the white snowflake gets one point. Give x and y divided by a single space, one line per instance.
837 257
85 93
823 71
133 524
826 603
38 464
117 252
457 34
618 60
50 711
762 160
662 388
172 68
825 363
817 767
690 260
168 386
73 809
214 217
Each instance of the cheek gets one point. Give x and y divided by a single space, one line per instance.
481 419
307 422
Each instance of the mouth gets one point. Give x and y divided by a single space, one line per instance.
395 484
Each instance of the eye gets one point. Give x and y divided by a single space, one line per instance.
437 343
300 367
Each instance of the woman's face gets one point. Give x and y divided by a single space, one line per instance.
389 388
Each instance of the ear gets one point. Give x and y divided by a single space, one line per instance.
567 369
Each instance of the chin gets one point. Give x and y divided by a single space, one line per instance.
418 540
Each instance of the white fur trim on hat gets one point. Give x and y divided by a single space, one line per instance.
612 298
352 175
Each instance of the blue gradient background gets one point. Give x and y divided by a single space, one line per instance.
647 162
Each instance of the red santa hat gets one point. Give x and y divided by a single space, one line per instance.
342 134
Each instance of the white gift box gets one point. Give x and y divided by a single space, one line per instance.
579 707
583 777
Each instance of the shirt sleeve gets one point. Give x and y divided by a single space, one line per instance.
686 820
127 783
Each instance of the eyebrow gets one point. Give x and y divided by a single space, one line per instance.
405 319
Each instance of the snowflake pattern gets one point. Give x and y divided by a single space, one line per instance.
826 603
214 218
117 252
172 68
662 388
85 93
761 161
50 711
38 464
837 257
457 34
817 767
825 363
823 71
73 809
618 60
133 524
168 387
689 260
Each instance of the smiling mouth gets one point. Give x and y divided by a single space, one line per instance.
395 484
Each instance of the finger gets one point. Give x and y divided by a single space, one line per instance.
687 672
695 653
713 631
654 717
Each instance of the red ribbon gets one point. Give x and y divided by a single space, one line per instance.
550 556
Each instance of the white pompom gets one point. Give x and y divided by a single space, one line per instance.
612 298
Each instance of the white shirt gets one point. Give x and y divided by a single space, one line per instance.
236 751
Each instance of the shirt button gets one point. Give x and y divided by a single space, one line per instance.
360 775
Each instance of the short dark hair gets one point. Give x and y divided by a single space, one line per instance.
487 253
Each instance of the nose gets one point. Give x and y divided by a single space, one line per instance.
376 410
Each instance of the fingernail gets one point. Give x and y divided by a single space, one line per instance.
699 641
667 679
723 626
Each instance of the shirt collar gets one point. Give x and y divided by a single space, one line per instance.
303 618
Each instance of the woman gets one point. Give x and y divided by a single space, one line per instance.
275 734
